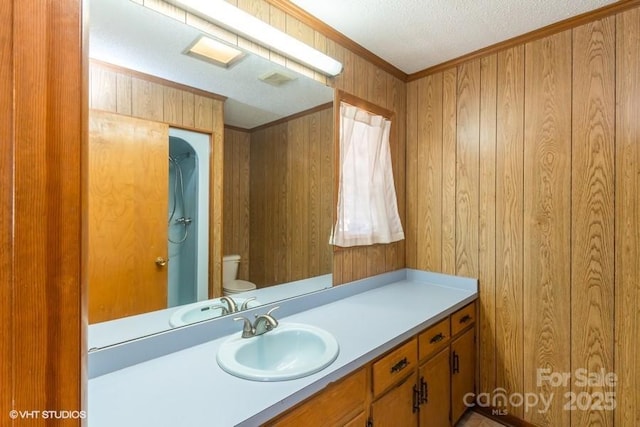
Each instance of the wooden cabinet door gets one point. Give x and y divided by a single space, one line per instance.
462 372
128 178
359 420
395 407
435 391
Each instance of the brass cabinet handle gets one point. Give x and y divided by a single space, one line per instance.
161 262
424 391
465 318
456 363
416 399
436 338
400 365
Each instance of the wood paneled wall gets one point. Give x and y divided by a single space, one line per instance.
133 94
292 168
523 169
237 158
279 198
42 127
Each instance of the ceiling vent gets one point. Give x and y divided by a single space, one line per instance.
276 78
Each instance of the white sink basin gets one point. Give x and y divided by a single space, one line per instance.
292 350
204 310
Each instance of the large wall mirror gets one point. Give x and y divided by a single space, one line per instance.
157 259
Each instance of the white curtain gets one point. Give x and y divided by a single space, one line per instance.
367 206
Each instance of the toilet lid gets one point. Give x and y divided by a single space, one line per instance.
238 285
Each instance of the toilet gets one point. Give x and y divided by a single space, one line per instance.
231 285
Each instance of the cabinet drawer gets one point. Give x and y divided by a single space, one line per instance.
463 318
434 338
395 366
330 406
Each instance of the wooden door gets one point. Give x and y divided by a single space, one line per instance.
395 407
434 378
127 208
462 372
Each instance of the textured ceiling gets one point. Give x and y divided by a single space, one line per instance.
416 34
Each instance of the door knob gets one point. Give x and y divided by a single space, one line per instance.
161 262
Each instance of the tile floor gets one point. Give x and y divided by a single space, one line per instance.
473 419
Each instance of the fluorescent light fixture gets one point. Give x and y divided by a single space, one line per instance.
211 50
230 17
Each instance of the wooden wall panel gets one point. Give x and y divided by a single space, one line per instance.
258 229
487 219
124 103
449 152
429 177
291 174
411 176
7 329
325 124
397 101
137 95
236 228
592 210
547 219
147 100
313 171
627 217
509 223
467 169
551 237
41 159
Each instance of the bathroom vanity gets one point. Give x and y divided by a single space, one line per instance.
420 382
406 347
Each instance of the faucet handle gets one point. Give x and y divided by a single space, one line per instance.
270 321
273 309
233 307
247 330
245 304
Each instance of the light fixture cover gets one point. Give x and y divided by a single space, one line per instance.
214 51
226 15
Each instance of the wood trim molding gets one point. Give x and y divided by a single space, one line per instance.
291 117
43 103
155 79
329 32
342 96
554 28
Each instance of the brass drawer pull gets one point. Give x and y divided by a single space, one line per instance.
416 399
465 318
399 366
424 391
456 363
436 338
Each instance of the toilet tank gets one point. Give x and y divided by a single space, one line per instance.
230 265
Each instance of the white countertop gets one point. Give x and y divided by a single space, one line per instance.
188 388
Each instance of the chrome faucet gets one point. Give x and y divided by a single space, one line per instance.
232 306
263 323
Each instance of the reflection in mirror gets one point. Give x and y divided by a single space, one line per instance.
159 159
